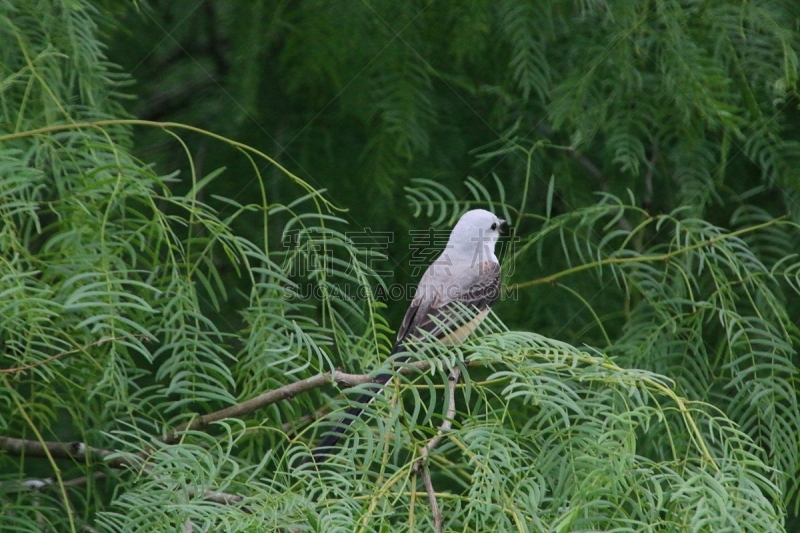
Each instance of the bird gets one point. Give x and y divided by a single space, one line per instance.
452 298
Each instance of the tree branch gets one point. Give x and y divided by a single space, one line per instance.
287 392
591 168
452 379
647 200
79 451
584 161
68 450
424 452
437 513
644 258
68 352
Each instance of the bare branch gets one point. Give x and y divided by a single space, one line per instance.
68 352
37 484
223 498
424 452
79 451
287 392
68 450
452 379
647 200
437 514
584 161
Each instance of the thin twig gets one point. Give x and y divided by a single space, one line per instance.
67 450
584 161
437 514
591 168
83 480
62 354
80 452
647 200
452 379
644 258
420 464
42 483
224 498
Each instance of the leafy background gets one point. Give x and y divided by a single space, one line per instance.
176 174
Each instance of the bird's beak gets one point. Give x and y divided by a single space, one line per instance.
504 227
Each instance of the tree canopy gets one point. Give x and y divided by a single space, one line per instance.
213 215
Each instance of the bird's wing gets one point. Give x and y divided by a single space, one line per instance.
442 309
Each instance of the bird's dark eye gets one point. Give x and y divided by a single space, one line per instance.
494 226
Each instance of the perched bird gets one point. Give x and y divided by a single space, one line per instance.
451 300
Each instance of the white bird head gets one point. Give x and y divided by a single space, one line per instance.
476 234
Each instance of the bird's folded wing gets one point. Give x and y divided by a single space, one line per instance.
451 310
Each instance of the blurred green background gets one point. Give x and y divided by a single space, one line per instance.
678 104
540 110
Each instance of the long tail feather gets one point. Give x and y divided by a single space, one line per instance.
326 446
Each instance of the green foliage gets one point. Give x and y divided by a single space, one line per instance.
646 153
